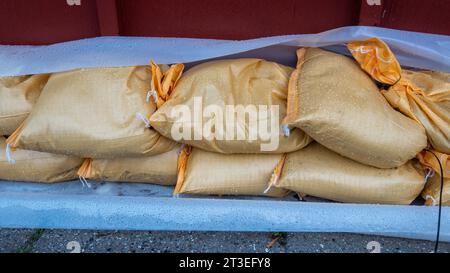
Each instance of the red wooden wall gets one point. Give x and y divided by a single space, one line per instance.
51 21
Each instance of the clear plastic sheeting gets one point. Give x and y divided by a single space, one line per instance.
125 206
427 51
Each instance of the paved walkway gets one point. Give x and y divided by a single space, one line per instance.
25 240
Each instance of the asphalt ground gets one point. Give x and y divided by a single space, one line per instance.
88 241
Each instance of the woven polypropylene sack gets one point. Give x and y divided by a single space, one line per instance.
339 106
93 113
157 169
217 85
421 95
208 173
432 190
31 166
17 97
434 161
319 172
425 97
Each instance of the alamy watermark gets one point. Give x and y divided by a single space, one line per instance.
74 247
373 2
373 247
73 2
227 122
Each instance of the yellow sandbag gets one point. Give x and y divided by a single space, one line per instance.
33 166
338 105
428 159
431 193
425 97
319 172
218 86
93 113
422 96
206 173
158 169
17 97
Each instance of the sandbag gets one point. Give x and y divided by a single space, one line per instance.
421 95
318 171
425 98
157 169
434 160
17 97
33 166
203 95
339 106
431 193
207 173
93 113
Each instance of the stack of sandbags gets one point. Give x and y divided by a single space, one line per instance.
224 161
366 146
100 114
246 126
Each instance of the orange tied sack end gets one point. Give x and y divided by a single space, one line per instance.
293 101
376 58
182 164
164 81
170 79
157 76
13 139
276 173
85 168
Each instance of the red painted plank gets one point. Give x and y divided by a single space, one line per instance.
371 12
234 19
46 21
432 16
107 17
51 21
